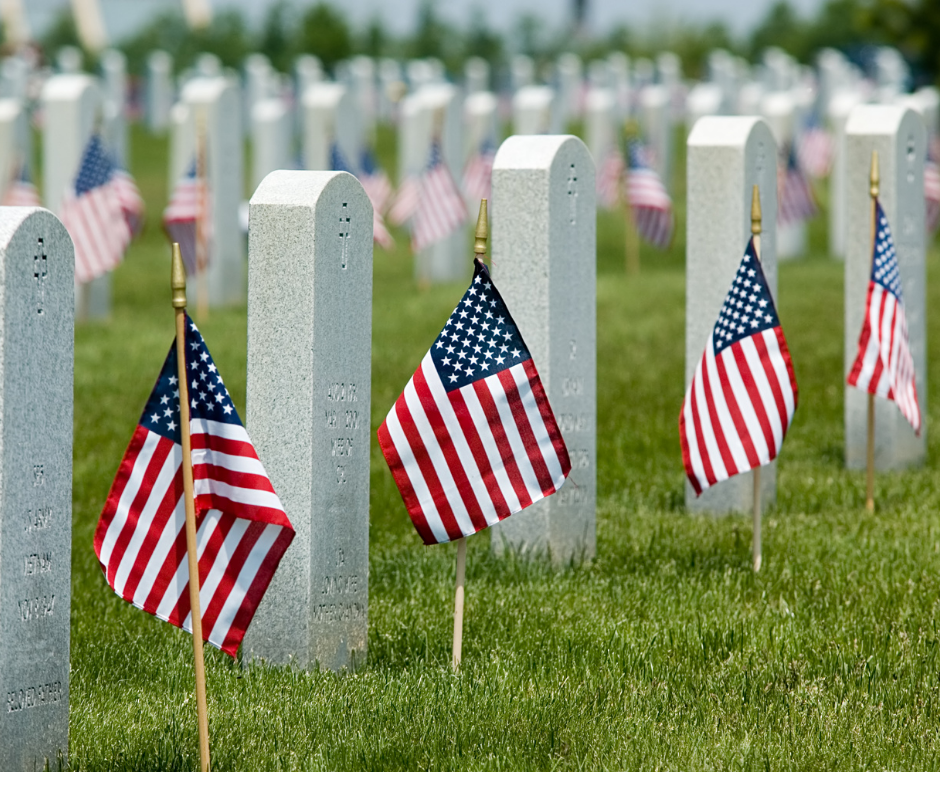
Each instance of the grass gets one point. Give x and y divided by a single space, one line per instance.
666 652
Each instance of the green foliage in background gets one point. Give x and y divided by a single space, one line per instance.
666 652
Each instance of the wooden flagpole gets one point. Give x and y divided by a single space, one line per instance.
873 190
631 231
479 249
202 247
178 285
756 497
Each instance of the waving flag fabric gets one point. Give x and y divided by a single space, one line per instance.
932 193
132 204
814 150
21 192
884 365
648 199
478 174
440 209
186 220
93 214
242 528
405 202
795 200
472 438
609 178
380 233
743 393
375 181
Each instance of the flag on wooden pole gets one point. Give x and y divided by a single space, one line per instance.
648 198
478 174
186 219
795 200
440 209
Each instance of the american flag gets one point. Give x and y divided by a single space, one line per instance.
380 233
932 189
609 178
186 220
375 181
472 438
814 150
478 174
132 204
743 394
648 199
884 365
440 209
795 200
242 528
22 191
94 216
405 202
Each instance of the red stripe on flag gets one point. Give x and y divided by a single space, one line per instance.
502 442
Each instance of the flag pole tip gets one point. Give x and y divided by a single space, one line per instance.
482 232
755 211
178 279
875 178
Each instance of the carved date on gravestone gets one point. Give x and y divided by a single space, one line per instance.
342 414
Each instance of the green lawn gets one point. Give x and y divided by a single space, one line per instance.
666 652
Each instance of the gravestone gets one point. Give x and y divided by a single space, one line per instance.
722 72
15 136
208 65
535 111
522 72
14 78
656 120
544 264
669 75
159 90
891 74
362 82
727 156
213 105
476 75
330 116
114 94
391 88
271 139
69 60
481 123
899 136
37 272
600 125
70 104
780 111
841 105
569 76
618 65
309 384
705 98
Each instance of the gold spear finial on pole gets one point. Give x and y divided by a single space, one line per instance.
875 179
482 232
178 279
755 211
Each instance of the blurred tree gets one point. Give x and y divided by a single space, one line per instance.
780 28
325 33
374 41
481 40
277 39
429 35
61 33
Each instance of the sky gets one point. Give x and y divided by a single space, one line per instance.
122 17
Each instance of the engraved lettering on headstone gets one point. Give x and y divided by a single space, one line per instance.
572 387
344 234
573 350
573 194
37 563
38 519
40 272
341 474
39 477
352 420
341 447
36 608
30 697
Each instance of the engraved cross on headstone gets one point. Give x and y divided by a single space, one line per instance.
344 234
40 272
573 193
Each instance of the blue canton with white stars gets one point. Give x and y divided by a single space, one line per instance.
97 167
884 267
480 339
748 308
209 399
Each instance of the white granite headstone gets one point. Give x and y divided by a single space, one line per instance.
159 90
656 121
780 111
727 156
841 105
544 264
271 139
37 274
899 136
114 94
535 111
14 140
309 387
570 76
476 75
329 115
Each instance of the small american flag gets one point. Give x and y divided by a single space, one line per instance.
814 150
405 202
743 393
478 174
472 438
242 528
932 189
131 201
609 178
648 199
375 181
380 233
441 209
186 220
884 365
795 200
94 216
22 191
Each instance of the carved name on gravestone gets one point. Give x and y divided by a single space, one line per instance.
899 136
37 270
727 156
545 264
309 384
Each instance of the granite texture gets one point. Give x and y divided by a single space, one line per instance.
308 409
726 157
544 253
37 271
215 103
899 136
71 103
271 138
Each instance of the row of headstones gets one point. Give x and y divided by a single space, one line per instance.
544 248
